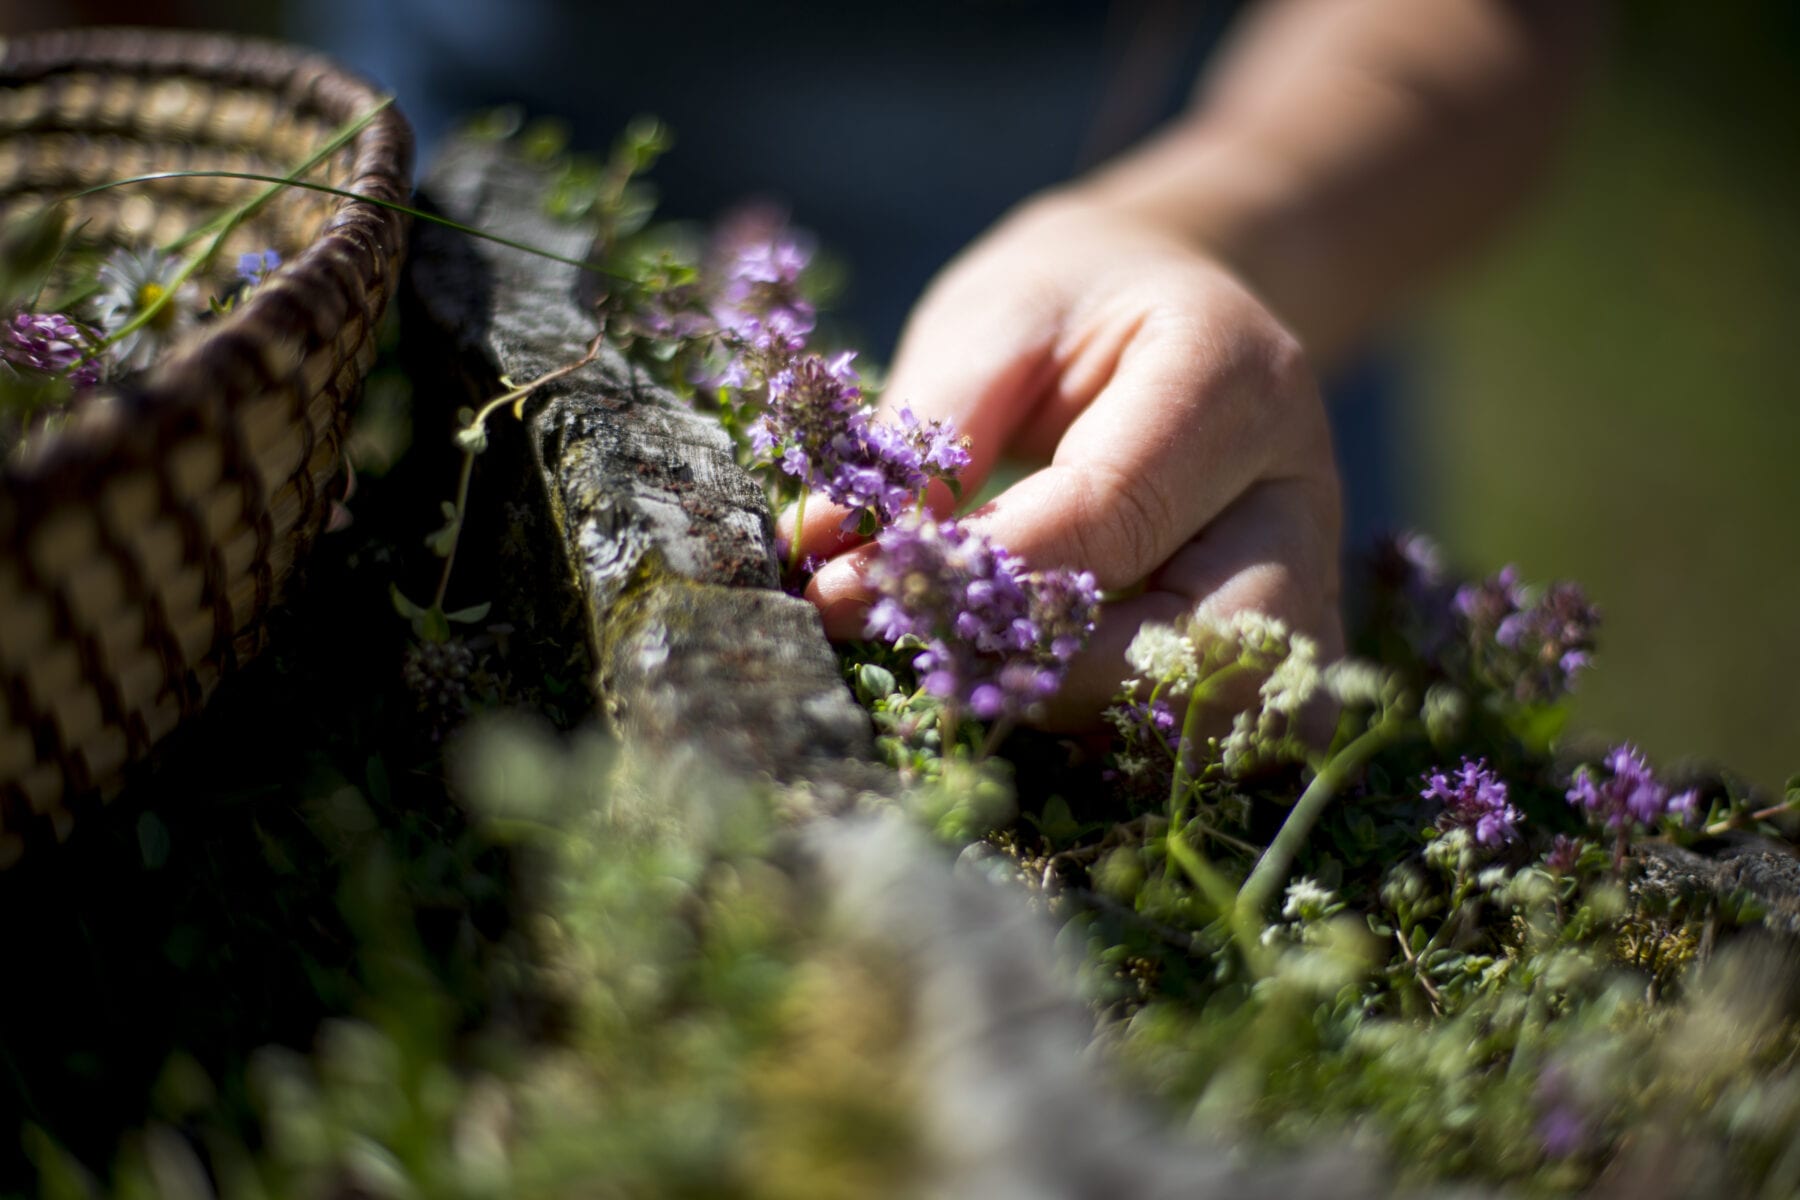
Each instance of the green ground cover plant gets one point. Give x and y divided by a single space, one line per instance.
397 921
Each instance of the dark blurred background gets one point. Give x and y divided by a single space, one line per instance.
1609 395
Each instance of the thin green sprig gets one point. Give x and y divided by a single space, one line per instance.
392 205
221 225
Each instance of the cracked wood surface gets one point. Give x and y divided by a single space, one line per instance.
669 546
668 542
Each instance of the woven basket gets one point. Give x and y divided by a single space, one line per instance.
144 540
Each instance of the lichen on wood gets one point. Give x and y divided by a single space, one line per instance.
668 543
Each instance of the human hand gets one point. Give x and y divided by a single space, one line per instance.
1187 446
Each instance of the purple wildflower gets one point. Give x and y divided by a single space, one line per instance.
50 344
812 400
941 454
817 429
254 268
873 470
1564 854
1629 793
995 636
1563 1129
1474 799
759 304
1534 647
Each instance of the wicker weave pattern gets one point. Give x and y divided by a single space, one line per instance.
142 544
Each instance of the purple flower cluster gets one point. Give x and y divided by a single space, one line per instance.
1630 792
996 637
50 344
1537 646
817 429
1474 798
1564 854
759 305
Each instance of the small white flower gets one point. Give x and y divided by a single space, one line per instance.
1306 900
1239 746
1492 879
1353 682
1159 653
1256 629
1295 681
130 282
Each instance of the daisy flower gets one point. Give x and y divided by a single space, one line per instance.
131 281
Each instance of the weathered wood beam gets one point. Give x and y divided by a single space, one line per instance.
669 545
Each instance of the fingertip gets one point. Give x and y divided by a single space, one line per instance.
841 594
822 534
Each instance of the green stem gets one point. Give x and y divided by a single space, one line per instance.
1202 692
1271 871
226 221
793 561
462 505
392 205
516 396
995 736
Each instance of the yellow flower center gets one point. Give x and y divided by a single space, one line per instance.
150 294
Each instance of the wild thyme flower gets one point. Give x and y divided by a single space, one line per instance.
760 264
1629 793
1564 855
817 430
811 402
995 636
252 269
131 283
941 453
50 344
1474 799
1534 647
871 468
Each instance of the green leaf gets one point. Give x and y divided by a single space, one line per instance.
544 139
402 605
868 524
29 247
432 625
444 540
469 616
875 682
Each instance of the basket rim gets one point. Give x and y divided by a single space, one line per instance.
104 420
